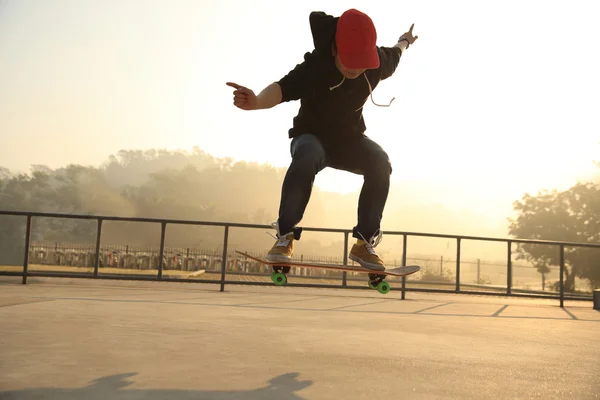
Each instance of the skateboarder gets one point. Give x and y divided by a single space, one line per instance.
333 83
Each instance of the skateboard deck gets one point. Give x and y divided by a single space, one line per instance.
376 278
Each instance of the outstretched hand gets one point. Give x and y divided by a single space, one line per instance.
243 97
408 36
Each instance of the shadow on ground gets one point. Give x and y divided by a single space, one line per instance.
282 387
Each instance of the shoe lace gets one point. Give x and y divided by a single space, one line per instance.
282 241
373 242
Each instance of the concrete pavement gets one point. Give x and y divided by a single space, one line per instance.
82 339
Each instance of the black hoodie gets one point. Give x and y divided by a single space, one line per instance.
330 105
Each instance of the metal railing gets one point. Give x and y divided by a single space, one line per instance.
346 232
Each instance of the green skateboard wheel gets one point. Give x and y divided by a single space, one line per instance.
383 287
278 278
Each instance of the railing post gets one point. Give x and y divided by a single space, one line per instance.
562 272
27 244
97 256
509 268
224 261
457 264
345 274
404 244
163 230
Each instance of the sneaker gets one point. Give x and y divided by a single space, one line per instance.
283 249
363 252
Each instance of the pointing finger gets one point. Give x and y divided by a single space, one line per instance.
234 85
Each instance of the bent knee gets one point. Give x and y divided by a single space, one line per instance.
381 163
308 152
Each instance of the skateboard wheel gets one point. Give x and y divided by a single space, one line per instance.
383 287
372 285
278 278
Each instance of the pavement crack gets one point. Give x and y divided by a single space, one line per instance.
504 307
432 307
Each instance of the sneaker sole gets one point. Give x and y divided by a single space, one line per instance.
372 267
278 258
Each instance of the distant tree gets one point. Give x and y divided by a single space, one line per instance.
570 215
4 175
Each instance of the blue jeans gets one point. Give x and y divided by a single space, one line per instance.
360 156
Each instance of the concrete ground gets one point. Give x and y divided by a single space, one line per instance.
84 339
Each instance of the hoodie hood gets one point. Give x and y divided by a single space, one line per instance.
323 28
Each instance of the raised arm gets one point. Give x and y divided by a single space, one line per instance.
390 56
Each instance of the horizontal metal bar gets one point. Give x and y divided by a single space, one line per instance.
497 294
12 273
157 220
312 229
153 278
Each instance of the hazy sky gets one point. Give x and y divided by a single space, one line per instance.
494 96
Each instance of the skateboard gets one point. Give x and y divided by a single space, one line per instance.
376 278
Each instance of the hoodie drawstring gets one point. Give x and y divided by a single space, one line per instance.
370 92
338 85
